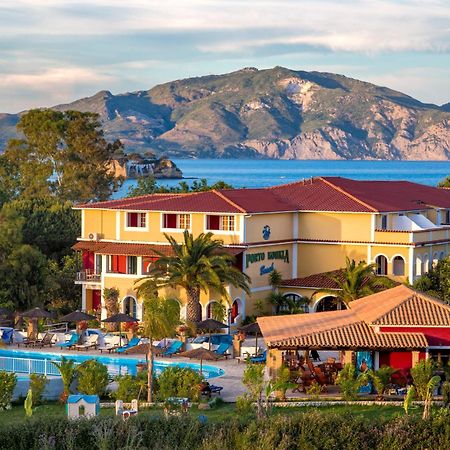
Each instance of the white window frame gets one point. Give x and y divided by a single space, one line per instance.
128 265
146 228
178 229
220 230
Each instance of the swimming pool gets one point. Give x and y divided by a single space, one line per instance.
22 361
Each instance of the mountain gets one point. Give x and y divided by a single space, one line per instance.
274 113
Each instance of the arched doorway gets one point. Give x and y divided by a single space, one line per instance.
381 264
294 304
236 309
425 264
418 266
329 303
130 306
398 266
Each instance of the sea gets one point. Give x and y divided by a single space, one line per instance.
253 173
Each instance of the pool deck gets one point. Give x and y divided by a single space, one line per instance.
231 380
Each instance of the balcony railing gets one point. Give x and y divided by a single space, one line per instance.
88 275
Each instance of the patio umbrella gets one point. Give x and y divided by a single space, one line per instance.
77 316
210 325
201 354
252 328
142 349
35 314
120 318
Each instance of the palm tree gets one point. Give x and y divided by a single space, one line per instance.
356 280
198 264
160 319
67 369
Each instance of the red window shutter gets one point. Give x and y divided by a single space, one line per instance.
88 260
170 220
213 223
132 219
122 264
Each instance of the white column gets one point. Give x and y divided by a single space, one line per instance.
83 297
139 266
411 265
83 223
102 287
376 360
372 227
294 261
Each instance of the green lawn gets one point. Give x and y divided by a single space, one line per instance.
223 412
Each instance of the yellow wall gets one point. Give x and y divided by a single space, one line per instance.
99 221
335 226
280 226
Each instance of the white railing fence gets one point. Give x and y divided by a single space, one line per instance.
28 366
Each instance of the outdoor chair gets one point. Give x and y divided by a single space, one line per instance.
74 339
261 359
91 342
30 340
112 346
133 342
222 349
174 347
46 340
7 337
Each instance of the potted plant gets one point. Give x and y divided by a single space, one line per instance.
131 329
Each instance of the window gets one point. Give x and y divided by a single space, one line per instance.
98 264
136 220
381 265
418 266
398 266
447 216
132 265
384 222
224 223
293 304
129 306
425 264
147 262
177 221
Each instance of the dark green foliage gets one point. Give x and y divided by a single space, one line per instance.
436 281
446 393
37 386
179 382
8 382
148 185
445 182
130 387
312 430
92 378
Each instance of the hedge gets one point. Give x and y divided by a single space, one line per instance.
313 430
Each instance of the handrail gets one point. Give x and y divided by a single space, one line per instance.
60 327
28 366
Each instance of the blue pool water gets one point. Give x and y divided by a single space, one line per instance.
13 360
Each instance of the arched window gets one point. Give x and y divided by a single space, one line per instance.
216 310
418 266
381 265
435 259
294 304
129 306
330 303
425 264
398 266
442 255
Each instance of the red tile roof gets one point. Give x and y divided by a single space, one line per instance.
356 326
316 194
121 248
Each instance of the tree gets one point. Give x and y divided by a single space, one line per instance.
357 280
445 183
283 304
148 185
198 264
67 369
111 297
62 154
160 319
436 281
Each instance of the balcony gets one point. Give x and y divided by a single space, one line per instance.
437 234
88 276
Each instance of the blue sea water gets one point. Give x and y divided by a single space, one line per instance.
260 173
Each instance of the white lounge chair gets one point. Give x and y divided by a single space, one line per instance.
112 346
91 342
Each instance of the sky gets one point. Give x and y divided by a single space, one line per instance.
55 51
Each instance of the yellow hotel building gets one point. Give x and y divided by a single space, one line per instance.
302 229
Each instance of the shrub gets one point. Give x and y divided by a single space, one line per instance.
422 373
314 390
37 386
179 382
446 393
350 382
244 405
67 370
8 382
130 387
92 378
381 378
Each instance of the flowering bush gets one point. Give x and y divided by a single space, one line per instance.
8 382
82 326
131 327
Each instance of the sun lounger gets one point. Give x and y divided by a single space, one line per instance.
74 339
133 342
7 336
222 349
111 346
259 359
174 347
46 340
91 342
30 340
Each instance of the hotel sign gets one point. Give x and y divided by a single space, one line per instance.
251 258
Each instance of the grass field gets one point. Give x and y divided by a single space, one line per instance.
219 413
